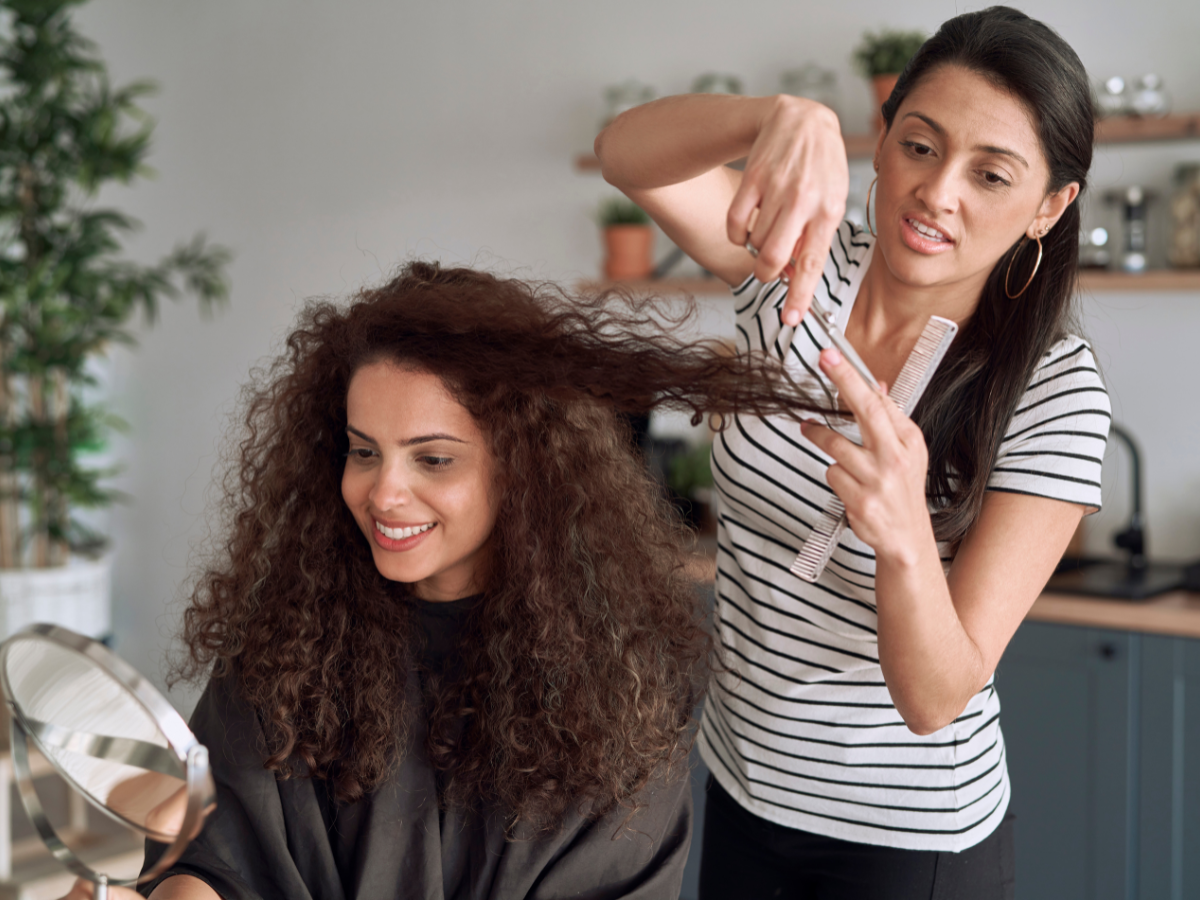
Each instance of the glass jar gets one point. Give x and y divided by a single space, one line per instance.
717 83
1149 96
1112 97
623 96
1185 217
813 83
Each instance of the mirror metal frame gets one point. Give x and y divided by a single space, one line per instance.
192 756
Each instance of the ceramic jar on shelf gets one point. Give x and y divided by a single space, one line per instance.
1185 217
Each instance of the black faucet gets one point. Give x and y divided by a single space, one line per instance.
1133 538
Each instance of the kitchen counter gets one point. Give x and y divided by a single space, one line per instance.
1176 614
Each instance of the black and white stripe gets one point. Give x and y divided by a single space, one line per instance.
801 728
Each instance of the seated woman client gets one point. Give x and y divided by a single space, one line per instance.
453 647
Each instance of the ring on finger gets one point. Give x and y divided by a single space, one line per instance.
751 249
783 276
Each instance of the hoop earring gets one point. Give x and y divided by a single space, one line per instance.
868 214
1008 272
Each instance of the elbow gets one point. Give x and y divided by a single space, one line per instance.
926 718
923 726
598 147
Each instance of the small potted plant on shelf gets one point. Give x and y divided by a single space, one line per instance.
881 57
66 294
628 240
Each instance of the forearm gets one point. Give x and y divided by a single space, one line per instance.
678 138
931 665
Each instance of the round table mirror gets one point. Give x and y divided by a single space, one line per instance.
111 736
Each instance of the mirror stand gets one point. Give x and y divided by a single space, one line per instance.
115 741
41 822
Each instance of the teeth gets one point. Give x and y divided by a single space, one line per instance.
926 230
399 534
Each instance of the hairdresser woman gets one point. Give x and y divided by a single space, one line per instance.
855 744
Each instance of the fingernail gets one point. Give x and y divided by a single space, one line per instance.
791 317
833 356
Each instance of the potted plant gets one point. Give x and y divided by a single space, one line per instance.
66 294
628 240
690 481
881 57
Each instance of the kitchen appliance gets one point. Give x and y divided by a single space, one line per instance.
1133 201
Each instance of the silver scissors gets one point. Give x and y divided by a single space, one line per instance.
827 320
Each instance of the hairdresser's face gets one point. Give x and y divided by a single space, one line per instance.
961 178
420 481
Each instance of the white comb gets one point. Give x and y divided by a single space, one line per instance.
910 385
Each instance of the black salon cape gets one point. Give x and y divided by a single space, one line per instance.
268 839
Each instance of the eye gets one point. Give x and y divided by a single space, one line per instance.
436 462
360 454
917 149
994 180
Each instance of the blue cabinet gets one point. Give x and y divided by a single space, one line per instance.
1168 815
1098 727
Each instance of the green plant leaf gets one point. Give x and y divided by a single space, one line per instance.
66 290
886 52
621 211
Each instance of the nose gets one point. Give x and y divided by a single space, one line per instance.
940 189
391 489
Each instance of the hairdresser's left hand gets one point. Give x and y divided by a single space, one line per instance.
882 483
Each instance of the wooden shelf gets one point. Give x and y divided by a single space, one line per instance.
1156 281
1134 129
663 287
860 146
1119 130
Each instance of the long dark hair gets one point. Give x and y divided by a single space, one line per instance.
976 390
582 662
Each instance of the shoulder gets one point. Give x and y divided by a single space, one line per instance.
223 721
1054 444
1066 380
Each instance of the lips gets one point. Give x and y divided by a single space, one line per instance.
923 237
400 536
927 230
399 533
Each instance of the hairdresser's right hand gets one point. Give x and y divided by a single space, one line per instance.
796 178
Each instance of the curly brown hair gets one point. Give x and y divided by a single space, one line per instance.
584 657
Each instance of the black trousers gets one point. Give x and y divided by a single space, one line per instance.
745 857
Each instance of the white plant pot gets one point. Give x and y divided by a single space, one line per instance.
77 595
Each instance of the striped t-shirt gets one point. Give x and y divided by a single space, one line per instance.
801 730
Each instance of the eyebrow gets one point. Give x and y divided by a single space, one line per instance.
986 148
410 442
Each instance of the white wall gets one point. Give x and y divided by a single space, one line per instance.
327 141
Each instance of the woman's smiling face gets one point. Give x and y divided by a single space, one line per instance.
420 481
961 178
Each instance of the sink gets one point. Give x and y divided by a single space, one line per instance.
1115 579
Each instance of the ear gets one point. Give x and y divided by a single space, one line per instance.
879 148
1053 206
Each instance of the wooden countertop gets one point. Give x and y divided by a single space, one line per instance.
1176 613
